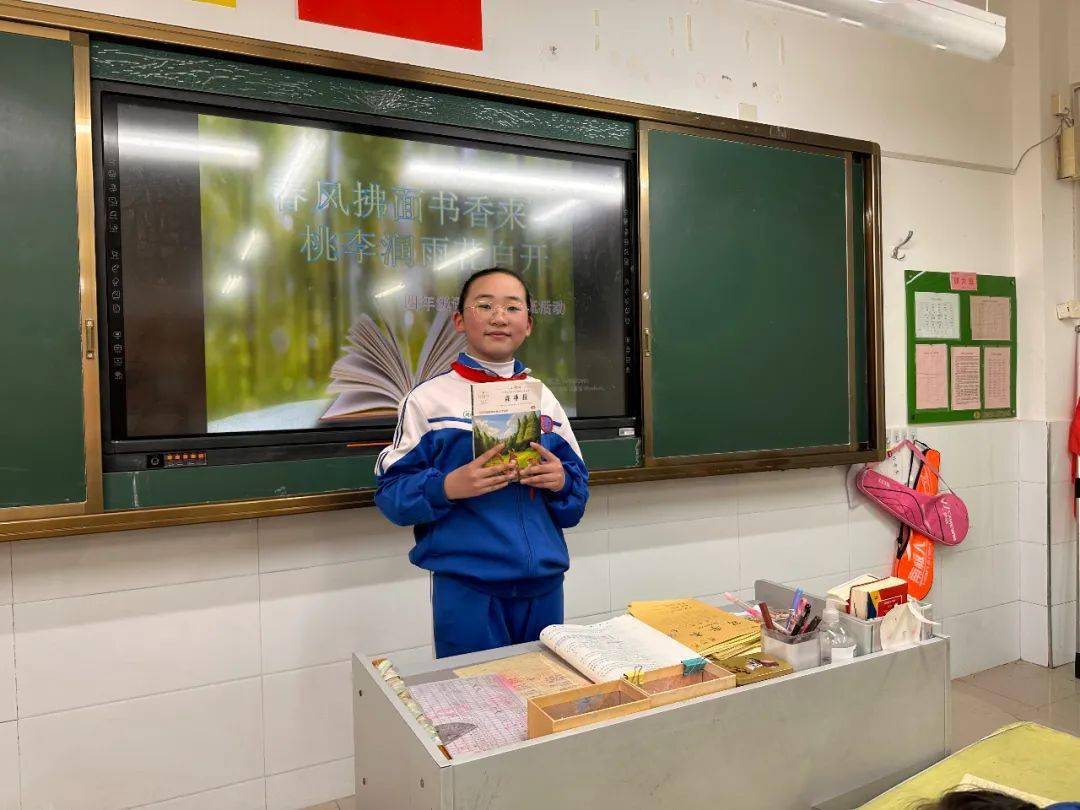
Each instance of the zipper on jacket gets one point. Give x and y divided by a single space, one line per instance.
524 531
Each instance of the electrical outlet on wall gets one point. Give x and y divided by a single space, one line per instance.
1068 309
895 435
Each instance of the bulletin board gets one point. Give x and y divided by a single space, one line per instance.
961 346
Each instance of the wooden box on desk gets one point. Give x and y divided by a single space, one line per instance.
574 708
670 685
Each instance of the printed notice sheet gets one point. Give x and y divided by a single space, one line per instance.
530 675
991 318
997 377
937 316
931 376
965 378
606 651
473 714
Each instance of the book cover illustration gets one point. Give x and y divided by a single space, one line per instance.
507 412
374 375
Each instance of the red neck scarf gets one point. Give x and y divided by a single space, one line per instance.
478 375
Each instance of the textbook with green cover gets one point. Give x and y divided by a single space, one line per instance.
507 412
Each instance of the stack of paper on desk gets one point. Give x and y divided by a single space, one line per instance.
607 651
530 675
473 714
707 630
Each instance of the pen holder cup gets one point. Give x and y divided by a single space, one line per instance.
801 652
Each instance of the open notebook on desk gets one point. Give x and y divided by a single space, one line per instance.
607 651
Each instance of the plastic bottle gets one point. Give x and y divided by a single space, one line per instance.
837 644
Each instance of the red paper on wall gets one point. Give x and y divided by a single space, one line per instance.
447 22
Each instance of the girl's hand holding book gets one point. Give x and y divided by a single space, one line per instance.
472 479
548 474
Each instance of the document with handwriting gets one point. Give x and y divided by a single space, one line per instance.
473 714
608 650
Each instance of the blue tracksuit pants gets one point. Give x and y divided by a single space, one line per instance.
468 620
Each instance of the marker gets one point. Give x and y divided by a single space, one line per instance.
766 617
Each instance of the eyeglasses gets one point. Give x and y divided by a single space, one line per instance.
489 308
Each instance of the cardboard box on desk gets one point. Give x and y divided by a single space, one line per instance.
672 684
574 708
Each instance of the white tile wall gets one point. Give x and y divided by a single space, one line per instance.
309 786
649 504
347 536
1034 629
1004 441
979 500
1063 617
1033 442
1062 514
243 796
1060 466
5 573
1033 573
319 615
587 588
7 665
137 751
696 557
137 559
983 638
977 578
308 717
820 585
968 451
131 643
1062 573
1033 512
791 489
871 537
793 543
9 766
1032 516
596 513
1005 514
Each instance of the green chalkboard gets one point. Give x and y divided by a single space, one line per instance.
749 296
41 409
955 319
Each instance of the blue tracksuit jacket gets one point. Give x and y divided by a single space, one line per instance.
505 543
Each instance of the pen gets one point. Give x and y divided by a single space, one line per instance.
766 617
753 611
793 619
801 617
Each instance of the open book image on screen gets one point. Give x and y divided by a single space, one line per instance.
507 412
374 374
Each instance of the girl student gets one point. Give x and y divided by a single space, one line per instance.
491 536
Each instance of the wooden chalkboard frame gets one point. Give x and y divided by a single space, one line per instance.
623 456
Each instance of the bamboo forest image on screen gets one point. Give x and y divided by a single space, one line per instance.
328 264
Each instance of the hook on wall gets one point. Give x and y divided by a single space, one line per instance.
896 250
